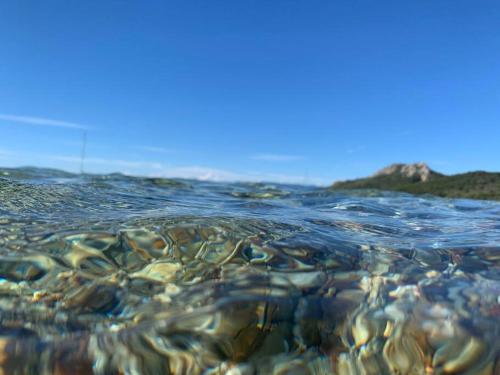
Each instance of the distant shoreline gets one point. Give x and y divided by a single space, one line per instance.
420 179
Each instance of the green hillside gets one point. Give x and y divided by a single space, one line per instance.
474 185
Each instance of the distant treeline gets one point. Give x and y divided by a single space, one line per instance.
474 185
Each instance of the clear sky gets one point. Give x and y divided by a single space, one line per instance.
279 90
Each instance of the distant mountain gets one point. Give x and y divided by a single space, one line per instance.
31 172
420 179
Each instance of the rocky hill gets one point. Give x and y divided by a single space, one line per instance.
415 172
420 179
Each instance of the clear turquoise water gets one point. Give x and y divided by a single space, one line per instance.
115 274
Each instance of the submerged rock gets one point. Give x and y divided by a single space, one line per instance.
133 276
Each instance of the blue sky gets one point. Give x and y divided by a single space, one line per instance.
293 91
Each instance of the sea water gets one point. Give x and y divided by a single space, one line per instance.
124 275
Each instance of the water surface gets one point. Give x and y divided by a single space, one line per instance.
123 275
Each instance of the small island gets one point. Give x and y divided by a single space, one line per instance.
418 178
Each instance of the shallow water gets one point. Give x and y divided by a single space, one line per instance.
115 274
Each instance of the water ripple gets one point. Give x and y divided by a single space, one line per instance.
116 274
